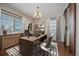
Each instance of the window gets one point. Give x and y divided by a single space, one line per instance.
52 25
10 22
18 24
6 22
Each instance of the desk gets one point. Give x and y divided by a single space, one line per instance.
26 44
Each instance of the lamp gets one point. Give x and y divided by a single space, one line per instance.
37 14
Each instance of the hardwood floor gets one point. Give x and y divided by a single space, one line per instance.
3 53
63 51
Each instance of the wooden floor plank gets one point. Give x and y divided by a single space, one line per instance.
62 50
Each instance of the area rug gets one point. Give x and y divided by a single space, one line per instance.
14 51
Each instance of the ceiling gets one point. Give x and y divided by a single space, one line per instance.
47 9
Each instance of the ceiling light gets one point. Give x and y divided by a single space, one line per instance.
37 14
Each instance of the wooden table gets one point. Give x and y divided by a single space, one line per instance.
26 44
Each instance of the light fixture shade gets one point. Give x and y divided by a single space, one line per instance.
37 14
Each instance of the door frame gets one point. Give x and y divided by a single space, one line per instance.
65 34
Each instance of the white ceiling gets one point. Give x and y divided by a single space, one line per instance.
47 9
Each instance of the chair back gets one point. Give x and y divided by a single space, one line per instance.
48 44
